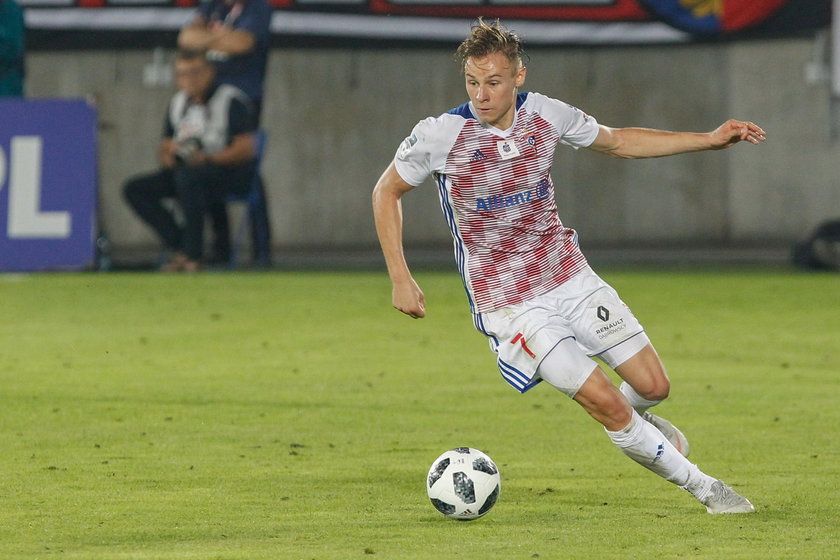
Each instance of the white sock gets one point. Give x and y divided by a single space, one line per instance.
646 445
638 402
699 483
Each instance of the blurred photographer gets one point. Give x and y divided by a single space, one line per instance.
236 35
207 152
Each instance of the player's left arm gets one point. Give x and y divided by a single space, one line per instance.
647 143
240 150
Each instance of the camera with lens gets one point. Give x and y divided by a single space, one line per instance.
188 148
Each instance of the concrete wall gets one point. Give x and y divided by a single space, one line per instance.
335 118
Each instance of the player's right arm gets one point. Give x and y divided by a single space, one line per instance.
167 147
166 153
387 212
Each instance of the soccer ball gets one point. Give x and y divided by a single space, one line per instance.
463 483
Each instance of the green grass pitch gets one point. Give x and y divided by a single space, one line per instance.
293 415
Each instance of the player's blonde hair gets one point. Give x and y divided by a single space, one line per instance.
488 38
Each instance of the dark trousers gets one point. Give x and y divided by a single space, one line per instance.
195 189
259 219
260 224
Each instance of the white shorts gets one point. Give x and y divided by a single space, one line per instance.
580 319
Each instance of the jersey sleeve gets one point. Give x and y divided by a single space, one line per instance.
425 151
576 128
240 117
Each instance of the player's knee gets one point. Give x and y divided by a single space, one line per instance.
131 190
657 390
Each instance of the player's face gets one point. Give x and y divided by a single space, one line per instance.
194 77
491 84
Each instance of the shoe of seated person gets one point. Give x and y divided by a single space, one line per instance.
191 267
175 263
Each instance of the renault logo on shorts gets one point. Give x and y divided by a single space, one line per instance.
603 313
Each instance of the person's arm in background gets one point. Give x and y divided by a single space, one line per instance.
200 36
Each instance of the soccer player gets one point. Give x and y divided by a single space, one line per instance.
531 292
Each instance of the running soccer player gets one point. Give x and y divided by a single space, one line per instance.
531 292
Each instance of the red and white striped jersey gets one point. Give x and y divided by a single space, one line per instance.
498 198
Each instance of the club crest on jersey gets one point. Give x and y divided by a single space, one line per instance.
507 149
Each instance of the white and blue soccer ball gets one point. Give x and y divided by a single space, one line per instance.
463 483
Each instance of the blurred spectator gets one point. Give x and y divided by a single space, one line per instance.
236 35
12 34
207 152
821 250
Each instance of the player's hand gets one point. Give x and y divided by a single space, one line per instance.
167 160
196 158
731 132
408 298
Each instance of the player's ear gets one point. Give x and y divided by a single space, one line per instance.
520 76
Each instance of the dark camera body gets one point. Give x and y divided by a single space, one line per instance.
188 148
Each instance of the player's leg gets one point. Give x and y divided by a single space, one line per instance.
645 384
191 184
145 194
220 226
606 327
567 368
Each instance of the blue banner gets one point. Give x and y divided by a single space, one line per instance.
47 185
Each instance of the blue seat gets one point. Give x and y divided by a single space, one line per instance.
255 215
